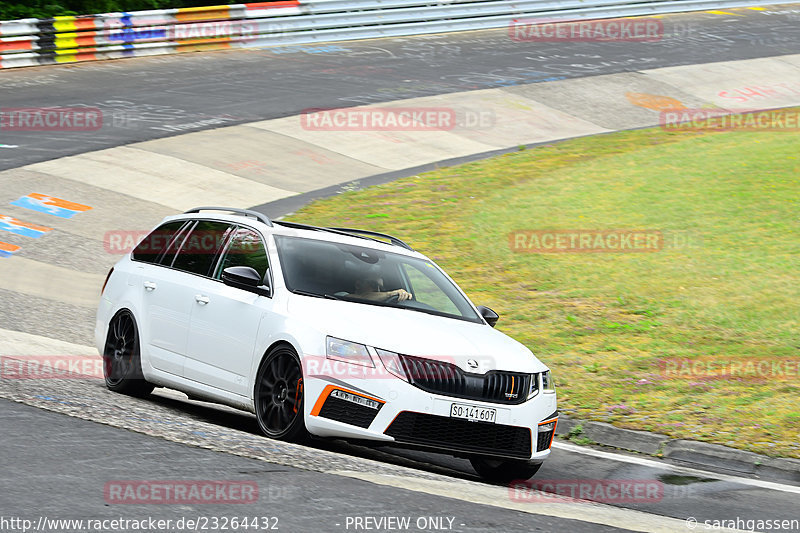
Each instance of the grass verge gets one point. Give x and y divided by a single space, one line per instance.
698 340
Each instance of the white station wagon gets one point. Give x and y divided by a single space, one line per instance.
329 332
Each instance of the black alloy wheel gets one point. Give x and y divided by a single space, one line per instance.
122 366
279 396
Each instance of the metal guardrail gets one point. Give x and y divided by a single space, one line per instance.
31 42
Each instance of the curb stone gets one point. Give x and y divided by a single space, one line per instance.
693 452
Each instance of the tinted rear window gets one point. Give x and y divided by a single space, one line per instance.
156 242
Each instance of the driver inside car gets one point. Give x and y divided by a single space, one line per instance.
371 288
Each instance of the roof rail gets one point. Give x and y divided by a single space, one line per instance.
245 212
362 234
357 232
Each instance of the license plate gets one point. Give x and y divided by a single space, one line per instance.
473 413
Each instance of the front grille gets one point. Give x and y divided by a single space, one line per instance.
348 412
544 440
447 379
458 435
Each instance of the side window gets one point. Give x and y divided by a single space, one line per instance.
152 246
427 292
175 245
246 248
201 247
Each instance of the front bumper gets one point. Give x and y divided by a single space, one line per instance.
391 410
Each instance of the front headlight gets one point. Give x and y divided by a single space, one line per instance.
392 363
533 390
349 352
548 385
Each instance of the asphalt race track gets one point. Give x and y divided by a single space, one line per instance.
64 441
148 98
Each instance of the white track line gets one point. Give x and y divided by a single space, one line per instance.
580 510
650 463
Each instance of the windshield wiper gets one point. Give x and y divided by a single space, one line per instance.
357 300
399 305
315 295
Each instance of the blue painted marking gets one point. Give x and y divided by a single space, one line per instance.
9 224
38 205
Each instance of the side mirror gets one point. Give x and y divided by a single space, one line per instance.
245 278
488 315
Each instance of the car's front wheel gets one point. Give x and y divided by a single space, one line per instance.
279 395
504 471
122 366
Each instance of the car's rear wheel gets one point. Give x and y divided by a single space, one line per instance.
122 366
503 471
279 395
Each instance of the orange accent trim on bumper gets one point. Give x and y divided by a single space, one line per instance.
327 391
553 436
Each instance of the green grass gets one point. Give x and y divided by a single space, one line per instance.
607 323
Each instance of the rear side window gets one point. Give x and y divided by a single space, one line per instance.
156 242
244 249
201 248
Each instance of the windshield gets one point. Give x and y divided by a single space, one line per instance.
364 275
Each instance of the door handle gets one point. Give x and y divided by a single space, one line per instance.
150 286
202 300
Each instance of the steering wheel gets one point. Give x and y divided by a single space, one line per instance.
393 299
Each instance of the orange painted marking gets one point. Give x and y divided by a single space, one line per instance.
15 45
8 248
188 14
59 202
654 101
84 23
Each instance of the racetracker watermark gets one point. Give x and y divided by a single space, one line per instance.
613 491
549 30
198 32
723 368
146 243
383 119
586 241
50 119
711 119
389 365
181 492
50 367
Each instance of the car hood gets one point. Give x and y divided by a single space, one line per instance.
415 333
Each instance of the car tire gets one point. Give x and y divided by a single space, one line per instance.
122 364
279 396
504 471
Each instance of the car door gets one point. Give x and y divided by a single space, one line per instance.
164 322
224 325
170 291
